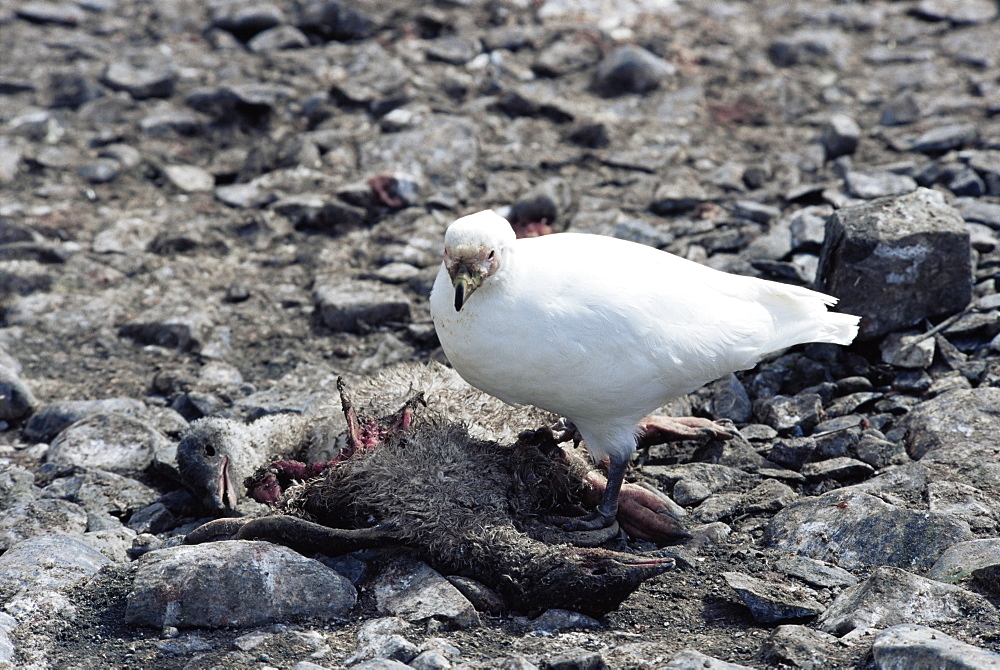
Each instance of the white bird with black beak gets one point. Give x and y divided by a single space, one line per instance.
603 331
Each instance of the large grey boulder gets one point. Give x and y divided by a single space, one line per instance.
234 583
879 259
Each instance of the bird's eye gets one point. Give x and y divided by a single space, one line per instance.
209 450
492 254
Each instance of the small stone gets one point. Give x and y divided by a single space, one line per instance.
111 442
101 171
411 590
792 452
769 602
800 647
453 50
48 562
878 184
690 659
575 659
246 19
278 38
189 178
785 412
842 468
910 645
334 20
630 69
976 211
356 305
55 13
688 493
908 350
893 596
956 11
819 574
558 621
16 399
900 111
840 136
945 138
141 82
810 47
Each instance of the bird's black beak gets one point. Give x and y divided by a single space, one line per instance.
465 280
459 294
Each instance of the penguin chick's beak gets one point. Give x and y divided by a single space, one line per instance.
468 271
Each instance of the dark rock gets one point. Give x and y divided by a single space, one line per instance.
879 256
892 596
334 20
54 13
183 587
729 400
900 111
840 136
785 412
355 305
792 452
71 90
800 647
246 19
855 529
945 138
769 602
180 326
315 212
841 468
810 47
630 69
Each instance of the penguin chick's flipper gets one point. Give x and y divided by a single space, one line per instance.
298 534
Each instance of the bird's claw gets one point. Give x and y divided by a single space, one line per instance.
587 531
660 429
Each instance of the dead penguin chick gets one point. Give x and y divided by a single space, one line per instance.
468 507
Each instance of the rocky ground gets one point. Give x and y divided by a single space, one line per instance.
217 208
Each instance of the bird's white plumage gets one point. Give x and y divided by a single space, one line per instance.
605 331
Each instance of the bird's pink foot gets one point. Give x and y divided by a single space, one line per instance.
660 429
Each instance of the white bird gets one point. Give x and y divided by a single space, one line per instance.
604 331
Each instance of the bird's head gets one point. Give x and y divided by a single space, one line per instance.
474 248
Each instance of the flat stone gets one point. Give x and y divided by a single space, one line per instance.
869 185
841 468
153 80
111 442
630 69
817 573
945 138
48 562
956 11
55 13
893 596
413 591
691 659
853 529
783 412
38 518
189 178
769 602
356 305
879 257
908 350
960 560
278 38
233 583
55 417
800 647
915 646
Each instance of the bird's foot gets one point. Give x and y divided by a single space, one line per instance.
660 429
299 534
590 530
644 512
